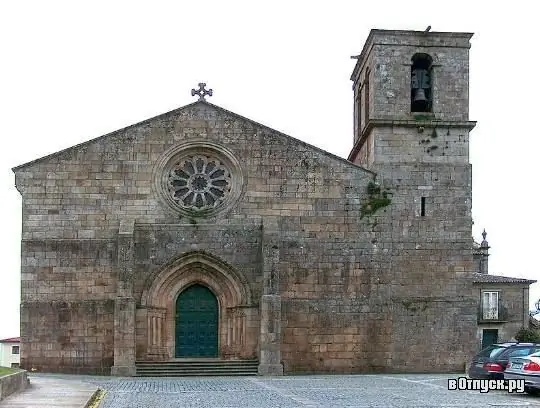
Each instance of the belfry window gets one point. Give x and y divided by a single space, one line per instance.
421 83
366 97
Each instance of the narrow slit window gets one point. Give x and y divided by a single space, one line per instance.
423 207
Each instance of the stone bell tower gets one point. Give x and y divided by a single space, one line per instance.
414 80
411 127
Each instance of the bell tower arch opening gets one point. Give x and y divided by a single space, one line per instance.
421 83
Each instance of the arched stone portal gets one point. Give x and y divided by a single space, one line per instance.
238 318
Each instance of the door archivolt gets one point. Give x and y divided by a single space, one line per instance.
229 285
195 270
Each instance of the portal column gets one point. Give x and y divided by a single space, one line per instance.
270 340
124 308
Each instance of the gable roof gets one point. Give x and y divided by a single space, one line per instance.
486 278
219 108
11 340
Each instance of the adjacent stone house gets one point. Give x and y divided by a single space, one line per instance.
200 233
503 302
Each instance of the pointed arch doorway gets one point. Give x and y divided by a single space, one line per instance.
197 321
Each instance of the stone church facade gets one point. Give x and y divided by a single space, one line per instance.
202 234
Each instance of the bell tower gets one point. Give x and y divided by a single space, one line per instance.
409 80
411 127
411 123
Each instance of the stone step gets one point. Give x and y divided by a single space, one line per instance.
188 363
215 373
197 367
194 367
191 368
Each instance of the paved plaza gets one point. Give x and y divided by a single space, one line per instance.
376 391
47 391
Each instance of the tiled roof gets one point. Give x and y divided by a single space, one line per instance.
486 278
11 340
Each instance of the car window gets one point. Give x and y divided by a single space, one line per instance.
491 351
519 352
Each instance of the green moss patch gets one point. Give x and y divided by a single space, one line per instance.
376 199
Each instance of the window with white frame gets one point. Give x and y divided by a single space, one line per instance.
14 349
490 305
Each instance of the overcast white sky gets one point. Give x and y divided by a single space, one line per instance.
70 73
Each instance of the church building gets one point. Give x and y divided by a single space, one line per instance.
202 236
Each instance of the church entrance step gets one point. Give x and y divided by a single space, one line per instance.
196 367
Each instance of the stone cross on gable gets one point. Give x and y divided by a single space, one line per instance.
201 92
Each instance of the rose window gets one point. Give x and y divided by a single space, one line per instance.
199 182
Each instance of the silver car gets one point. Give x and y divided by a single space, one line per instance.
525 368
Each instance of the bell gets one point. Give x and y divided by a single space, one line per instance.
420 103
420 96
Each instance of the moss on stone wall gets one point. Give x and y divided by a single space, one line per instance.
375 200
423 117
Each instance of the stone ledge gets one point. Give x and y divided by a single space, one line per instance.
13 383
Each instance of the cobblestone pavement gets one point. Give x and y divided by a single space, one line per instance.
374 391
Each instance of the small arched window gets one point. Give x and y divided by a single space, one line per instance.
421 83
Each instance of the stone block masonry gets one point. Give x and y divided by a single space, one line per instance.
12 383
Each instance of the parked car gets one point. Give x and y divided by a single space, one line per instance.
525 368
491 362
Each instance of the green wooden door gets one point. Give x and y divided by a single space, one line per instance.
196 323
489 337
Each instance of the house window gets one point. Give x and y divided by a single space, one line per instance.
14 349
14 365
490 305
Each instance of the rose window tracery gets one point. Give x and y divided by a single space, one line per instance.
199 182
